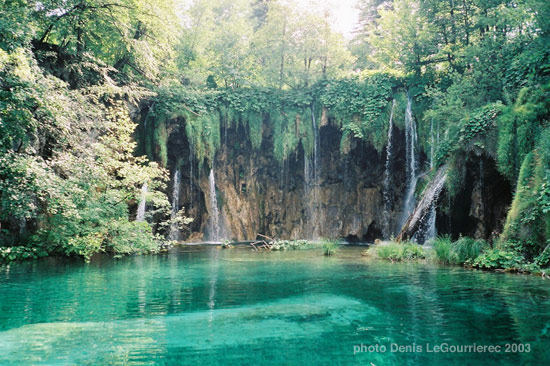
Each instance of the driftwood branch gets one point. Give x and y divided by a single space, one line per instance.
266 237
262 244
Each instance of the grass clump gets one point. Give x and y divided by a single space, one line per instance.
330 246
463 251
397 252
443 249
468 249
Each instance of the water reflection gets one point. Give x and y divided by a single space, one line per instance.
203 304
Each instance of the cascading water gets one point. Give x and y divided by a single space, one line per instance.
431 231
386 195
191 176
482 192
427 229
141 208
215 223
432 144
307 195
412 178
311 176
174 229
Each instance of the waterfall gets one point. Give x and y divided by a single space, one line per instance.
316 144
386 195
427 229
482 194
432 144
412 178
174 229
282 177
311 183
316 151
141 208
307 197
431 231
215 224
191 176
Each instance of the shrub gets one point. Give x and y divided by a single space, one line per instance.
19 253
499 259
543 259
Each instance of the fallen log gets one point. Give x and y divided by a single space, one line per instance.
422 209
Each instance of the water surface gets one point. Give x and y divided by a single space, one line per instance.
203 305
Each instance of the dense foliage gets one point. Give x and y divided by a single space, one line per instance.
359 106
67 170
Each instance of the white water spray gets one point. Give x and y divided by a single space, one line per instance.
412 178
141 208
311 183
386 195
174 229
431 231
215 227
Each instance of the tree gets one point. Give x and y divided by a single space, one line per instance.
216 42
403 39
134 36
296 49
368 23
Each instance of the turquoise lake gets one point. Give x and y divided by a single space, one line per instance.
201 305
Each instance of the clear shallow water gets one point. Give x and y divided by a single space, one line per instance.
202 305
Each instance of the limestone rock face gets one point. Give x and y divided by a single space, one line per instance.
258 194
480 206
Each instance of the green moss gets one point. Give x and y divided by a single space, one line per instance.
203 132
160 139
255 122
360 108
455 174
527 224
520 128
148 138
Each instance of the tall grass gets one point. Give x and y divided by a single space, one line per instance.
468 249
462 251
444 251
330 246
